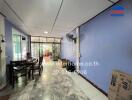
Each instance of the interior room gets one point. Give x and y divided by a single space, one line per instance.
65 49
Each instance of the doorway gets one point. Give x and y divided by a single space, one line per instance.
48 47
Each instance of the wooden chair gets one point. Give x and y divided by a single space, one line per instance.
38 67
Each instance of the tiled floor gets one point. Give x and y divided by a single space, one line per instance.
56 84
4 97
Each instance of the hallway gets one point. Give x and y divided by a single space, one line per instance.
90 39
57 84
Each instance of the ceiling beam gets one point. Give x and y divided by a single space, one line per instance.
111 1
13 11
2 14
56 16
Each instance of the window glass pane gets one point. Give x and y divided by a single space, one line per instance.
20 45
15 32
50 39
57 40
16 47
35 39
35 50
42 39
41 49
24 45
56 51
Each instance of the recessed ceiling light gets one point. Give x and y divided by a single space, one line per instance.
45 32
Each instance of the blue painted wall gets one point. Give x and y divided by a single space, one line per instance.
108 40
68 49
8 38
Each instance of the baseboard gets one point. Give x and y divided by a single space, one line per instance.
102 91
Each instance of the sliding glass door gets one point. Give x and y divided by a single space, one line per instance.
38 49
45 46
56 51
35 50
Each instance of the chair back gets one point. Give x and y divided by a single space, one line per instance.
40 60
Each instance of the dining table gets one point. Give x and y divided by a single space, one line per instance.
19 66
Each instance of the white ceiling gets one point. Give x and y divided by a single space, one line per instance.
37 16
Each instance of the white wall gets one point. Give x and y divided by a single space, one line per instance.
2 54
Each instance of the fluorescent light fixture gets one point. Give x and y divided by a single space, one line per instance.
45 32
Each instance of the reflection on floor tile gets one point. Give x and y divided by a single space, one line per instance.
52 85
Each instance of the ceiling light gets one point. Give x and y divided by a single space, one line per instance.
45 32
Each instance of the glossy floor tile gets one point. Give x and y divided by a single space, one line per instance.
56 84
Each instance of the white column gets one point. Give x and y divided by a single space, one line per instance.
77 50
2 54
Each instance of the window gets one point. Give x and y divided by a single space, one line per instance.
45 39
16 47
35 50
20 45
58 40
42 39
42 45
50 39
35 39
56 51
